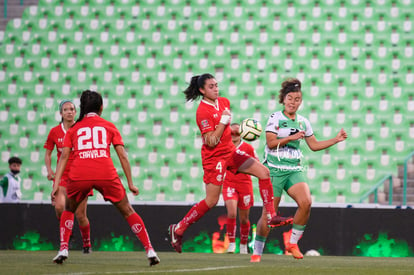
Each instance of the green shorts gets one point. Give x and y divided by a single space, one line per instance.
284 179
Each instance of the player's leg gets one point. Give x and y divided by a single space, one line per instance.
253 167
244 229
65 229
231 206
114 192
59 202
84 226
301 194
200 209
262 231
213 177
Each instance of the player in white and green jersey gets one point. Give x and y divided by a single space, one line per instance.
287 157
284 132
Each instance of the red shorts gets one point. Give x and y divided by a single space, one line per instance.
64 183
215 170
244 200
111 190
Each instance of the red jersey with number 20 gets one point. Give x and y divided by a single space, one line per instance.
208 118
90 140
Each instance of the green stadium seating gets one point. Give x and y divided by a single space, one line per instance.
141 54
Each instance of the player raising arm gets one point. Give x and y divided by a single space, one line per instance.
218 155
284 131
92 167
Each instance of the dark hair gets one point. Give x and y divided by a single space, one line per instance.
288 86
15 160
193 90
90 101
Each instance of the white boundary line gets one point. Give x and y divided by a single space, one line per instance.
154 271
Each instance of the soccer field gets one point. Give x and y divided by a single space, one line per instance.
40 262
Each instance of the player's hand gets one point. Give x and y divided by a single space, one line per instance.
134 190
341 136
298 135
225 117
50 175
53 196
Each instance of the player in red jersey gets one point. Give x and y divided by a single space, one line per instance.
218 155
238 193
55 138
89 140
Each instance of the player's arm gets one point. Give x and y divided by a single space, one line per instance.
316 145
4 184
60 169
123 158
212 138
48 163
273 142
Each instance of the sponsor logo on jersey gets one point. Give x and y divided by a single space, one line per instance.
205 124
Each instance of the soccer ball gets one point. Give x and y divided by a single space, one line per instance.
312 252
250 129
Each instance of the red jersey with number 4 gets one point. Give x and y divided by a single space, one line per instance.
90 140
208 118
55 138
242 182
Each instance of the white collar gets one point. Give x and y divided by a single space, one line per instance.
215 105
63 127
91 114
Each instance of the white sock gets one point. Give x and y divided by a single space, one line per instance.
295 236
258 247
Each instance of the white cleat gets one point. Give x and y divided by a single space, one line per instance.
152 257
243 249
61 256
231 248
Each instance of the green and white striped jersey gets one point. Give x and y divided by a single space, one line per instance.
288 156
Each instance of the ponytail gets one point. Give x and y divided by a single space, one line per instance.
192 92
90 101
288 86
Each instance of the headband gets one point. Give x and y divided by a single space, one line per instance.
63 102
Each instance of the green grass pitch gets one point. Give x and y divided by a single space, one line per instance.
40 262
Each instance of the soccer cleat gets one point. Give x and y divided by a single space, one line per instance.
293 248
277 221
86 250
231 248
152 257
243 249
61 256
176 240
255 258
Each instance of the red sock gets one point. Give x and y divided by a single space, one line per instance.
231 229
86 235
244 232
195 213
266 192
66 225
138 227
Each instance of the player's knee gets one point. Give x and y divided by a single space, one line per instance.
244 220
305 204
211 202
264 172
